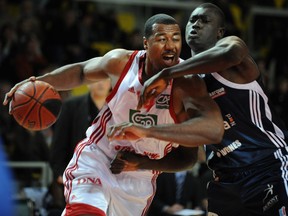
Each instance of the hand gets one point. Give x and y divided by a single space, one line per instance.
152 88
174 208
9 95
125 161
126 131
60 180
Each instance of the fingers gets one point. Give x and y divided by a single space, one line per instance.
10 108
146 96
8 96
140 102
117 164
32 78
118 132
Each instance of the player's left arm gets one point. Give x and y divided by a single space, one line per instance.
181 158
199 116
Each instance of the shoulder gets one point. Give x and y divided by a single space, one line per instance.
118 54
190 84
231 39
188 93
114 61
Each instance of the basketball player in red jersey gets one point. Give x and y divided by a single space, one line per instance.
90 187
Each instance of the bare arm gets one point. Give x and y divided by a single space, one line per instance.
229 57
200 117
70 76
179 159
200 123
227 52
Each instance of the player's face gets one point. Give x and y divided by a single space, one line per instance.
202 29
164 46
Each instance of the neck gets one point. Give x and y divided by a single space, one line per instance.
147 70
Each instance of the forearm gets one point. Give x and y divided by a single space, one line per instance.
227 53
192 133
65 78
178 159
209 61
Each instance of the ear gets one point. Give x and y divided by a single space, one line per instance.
221 32
145 43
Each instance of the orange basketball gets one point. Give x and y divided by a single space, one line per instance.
36 105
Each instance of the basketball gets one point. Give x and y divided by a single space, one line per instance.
36 105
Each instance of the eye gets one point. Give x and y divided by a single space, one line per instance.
204 20
162 39
193 20
176 39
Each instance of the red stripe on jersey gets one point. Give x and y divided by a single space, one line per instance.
150 199
80 209
123 74
99 132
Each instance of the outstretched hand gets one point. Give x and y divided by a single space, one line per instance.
125 161
126 131
9 95
152 88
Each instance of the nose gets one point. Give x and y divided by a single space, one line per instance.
170 44
196 24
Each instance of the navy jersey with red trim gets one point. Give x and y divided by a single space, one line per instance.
252 131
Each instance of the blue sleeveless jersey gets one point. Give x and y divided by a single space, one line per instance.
253 133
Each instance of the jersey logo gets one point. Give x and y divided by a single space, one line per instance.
269 190
230 122
217 93
137 117
131 89
87 180
230 148
163 101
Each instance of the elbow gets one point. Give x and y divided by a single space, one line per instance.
187 158
187 164
216 132
235 53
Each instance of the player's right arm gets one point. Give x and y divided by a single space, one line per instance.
228 57
73 75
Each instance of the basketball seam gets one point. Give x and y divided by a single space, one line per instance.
37 100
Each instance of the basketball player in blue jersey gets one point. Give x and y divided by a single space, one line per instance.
251 162
90 187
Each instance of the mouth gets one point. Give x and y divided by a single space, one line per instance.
169 58
193 34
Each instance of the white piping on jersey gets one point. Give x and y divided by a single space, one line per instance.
255 111
284 166
255 91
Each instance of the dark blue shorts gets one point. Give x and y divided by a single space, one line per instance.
250 193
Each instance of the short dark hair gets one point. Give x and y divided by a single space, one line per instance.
159 19
217 10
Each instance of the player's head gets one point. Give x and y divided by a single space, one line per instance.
206 25
162 40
